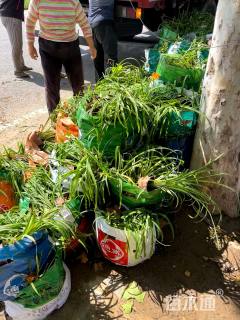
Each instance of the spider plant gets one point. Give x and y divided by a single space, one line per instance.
162 180
188 59
164 92
85 168
15 225
168 117
138 108
124 73
68 108
46 133
201 23
14 164
41 191
115 102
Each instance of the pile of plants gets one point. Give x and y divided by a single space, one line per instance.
136 175
117 167
188 59
121 112
180 56
200 23
34 233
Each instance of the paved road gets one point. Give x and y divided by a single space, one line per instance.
22 102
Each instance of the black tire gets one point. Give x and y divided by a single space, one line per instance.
152 19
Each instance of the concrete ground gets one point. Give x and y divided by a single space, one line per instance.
185 281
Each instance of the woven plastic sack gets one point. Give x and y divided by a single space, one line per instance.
182 125
119 248
7 193
104 139
134 197
152 58
22 259
18 312
46 287
189 78
182 147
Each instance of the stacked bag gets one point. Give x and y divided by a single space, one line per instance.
34 278
181 54
180 58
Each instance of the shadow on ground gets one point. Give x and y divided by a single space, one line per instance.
38 79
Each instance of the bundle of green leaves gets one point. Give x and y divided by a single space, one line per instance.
16 224
200 23
14 163
188 59
158 169
84 168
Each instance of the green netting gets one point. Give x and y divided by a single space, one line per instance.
45 288
107 138
189 78
133 197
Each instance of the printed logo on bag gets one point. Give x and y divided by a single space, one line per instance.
14 284
113 249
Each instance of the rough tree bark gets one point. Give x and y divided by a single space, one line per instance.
219 132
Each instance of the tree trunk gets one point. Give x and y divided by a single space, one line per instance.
219 133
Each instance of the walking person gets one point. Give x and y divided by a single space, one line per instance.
59 43
12 16
101 18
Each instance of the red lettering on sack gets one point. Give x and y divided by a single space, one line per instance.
113 249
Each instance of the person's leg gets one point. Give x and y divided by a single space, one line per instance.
73 68
99 60
52 67
110 45
14 30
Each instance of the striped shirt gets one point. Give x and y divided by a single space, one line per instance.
57 20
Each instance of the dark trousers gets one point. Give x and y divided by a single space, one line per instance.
105 41
54 55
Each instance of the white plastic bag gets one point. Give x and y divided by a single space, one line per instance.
66 215
119 248
17 312
56 170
